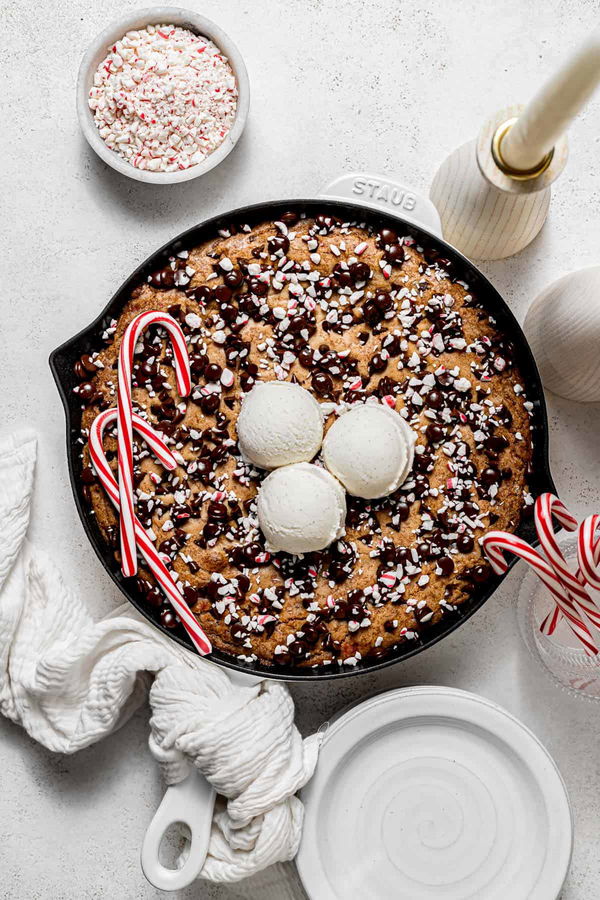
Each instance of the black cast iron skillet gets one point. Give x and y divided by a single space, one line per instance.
63 359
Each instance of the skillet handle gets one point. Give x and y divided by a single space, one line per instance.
191 802
387 196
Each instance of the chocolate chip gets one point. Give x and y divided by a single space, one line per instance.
88 393
310 634
212 372
217 510
331 645
154 597
496 443
386 386
422 613
340 610
490 475
322 384
372 313
424 462
289 218
306 357
198 364
383 300
434 399
435 433
84 367
201 294
210 403
190 595
298 647
238 633
424 551
342 275
251 553
395 254
228 313
446 564
211 530
480 573
258 287
359 272
377 363
278 243
386 236
391 344
269 627
325 222
387 554
163 279
175 311
402 510
246 382
243 583
222 293
181 512
233 279
88 476
337 572
168 618
465 543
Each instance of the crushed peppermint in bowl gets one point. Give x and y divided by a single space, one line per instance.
159 102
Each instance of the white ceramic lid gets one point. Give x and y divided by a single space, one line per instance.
431 792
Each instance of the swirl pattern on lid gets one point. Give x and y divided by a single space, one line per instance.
432 804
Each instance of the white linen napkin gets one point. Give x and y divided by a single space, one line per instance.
69 681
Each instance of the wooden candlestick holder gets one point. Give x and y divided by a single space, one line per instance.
486 212
493 193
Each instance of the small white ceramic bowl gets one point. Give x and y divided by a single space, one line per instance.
160 15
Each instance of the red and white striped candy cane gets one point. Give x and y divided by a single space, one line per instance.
546 506
124 407
147 548
496 543
588 551
96 446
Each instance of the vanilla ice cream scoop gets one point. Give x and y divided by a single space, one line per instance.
279 423
370 449
301 508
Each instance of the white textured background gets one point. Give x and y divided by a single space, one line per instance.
387 85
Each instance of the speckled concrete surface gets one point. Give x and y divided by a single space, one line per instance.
378 84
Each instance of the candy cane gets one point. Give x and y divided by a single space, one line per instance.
496 543
125 430
546 506
588 551
548 626
147 548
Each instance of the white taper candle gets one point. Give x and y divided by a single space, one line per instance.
548 115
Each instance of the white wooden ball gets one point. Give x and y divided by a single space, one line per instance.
563 329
